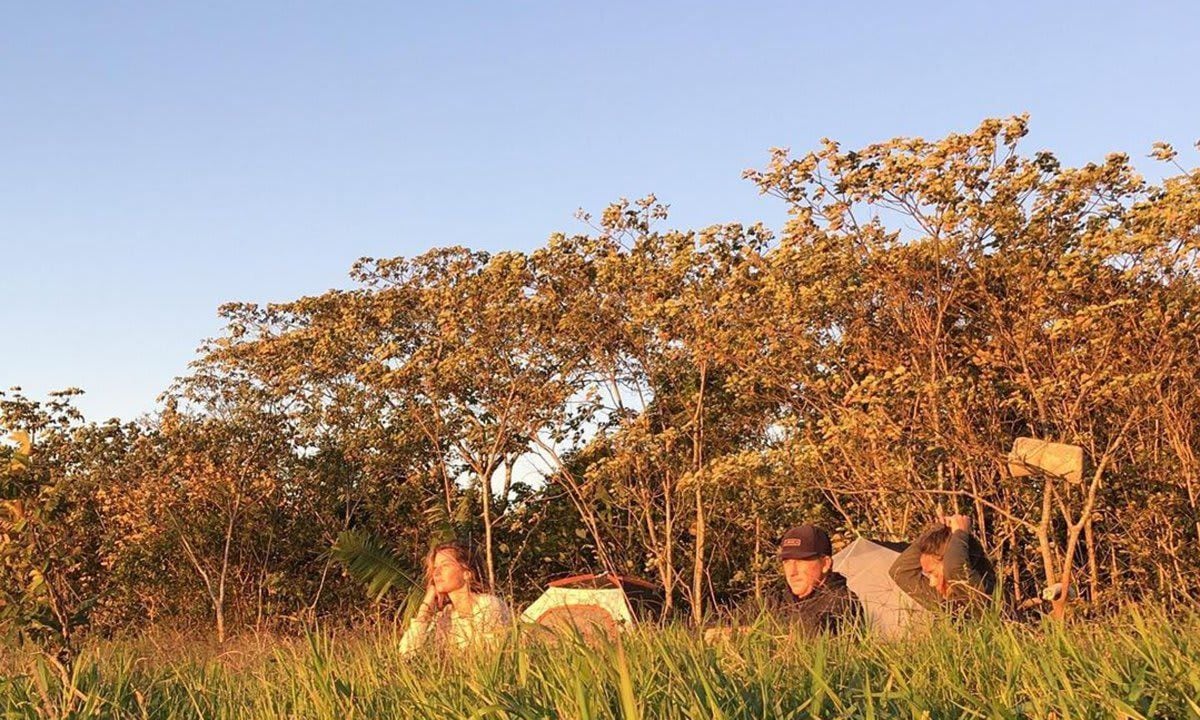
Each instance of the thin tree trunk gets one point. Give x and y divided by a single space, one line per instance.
221 579
1015 569
698 560
263 578
586 513
1043 532
669 543
1089 537
698 484
757 555
1076 529
208 586
485 487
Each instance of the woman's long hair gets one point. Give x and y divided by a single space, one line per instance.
464 556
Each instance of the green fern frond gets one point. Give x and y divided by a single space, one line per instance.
369 562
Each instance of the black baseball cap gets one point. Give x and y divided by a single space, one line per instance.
805 543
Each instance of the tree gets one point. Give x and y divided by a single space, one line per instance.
1018 301
50 538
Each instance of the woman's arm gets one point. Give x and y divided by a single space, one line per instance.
415 635
961 572
422 624
906 572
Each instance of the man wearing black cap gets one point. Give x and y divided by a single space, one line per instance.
817 598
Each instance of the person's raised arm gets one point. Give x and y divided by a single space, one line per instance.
906 572
963 574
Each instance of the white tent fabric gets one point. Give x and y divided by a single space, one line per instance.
865 564
611 600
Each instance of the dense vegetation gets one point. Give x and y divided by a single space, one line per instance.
1143 668
662 403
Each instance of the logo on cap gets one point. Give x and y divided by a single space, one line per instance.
805 543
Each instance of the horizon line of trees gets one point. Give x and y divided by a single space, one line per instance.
682 397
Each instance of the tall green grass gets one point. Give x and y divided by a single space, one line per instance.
1142 664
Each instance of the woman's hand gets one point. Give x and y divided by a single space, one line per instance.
430 604
958 522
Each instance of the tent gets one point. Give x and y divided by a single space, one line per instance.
605 603
865 564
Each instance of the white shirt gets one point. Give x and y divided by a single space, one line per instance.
488 618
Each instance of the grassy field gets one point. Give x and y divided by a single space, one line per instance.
1141 664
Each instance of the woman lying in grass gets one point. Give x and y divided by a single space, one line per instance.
457 611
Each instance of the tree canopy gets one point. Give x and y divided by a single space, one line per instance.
664 402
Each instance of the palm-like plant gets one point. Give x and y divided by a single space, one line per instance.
370 562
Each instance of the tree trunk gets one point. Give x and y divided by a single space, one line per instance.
223 577
220 613
698 481
1043 532
668 550
576 495
1015 570
1076 528
757 556
1089 537
698 560
485 487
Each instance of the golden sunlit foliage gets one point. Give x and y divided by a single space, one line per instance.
664 402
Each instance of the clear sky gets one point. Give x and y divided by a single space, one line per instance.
160 158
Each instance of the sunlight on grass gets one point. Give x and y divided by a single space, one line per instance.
1140 665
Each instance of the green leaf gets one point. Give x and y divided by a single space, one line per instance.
369 562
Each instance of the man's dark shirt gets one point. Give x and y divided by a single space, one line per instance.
831 607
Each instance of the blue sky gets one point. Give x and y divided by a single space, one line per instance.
159 159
